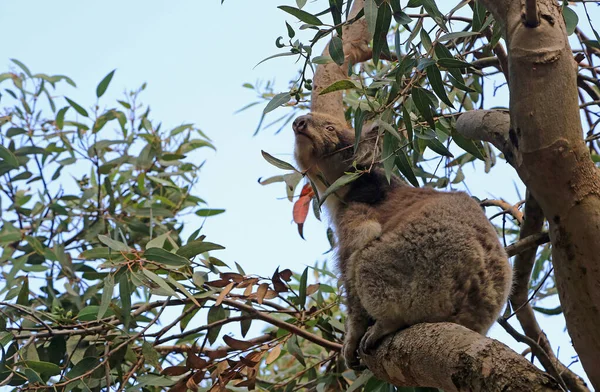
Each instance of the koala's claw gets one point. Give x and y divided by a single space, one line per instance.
350 355
368 342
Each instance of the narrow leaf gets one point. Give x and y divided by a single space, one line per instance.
277 101
339 183
302 15
103 85
336 50
339 85
277 162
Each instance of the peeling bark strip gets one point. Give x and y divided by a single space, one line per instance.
545 145
454 358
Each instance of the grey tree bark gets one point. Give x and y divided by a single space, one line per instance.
545 145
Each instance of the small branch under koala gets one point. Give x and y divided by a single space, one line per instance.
527 243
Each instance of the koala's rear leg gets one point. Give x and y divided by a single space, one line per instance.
357 322
375 333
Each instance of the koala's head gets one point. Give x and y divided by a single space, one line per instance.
325 143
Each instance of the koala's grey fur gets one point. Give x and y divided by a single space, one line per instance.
407 255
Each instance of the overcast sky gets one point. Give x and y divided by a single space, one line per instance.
195 56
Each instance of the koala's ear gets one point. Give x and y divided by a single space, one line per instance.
370 144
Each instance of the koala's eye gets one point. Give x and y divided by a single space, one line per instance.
330 128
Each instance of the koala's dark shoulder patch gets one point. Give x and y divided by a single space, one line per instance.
371 188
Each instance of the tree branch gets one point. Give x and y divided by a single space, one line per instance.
356 49
454 358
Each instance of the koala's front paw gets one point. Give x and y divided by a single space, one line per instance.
374 335
349 351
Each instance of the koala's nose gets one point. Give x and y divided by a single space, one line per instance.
299 125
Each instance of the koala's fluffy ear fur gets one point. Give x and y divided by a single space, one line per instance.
370 145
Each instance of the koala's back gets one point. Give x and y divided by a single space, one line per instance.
438 259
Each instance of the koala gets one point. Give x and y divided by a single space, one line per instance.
406 255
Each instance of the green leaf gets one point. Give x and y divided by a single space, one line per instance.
339 183
438 147
197 247
209 212
301 3
339 85
160 282
423 104
405 168
277 162
435 79
388 154
321 60
158 242
384 18
23 296
107 292
77 107
22 66
291 32
302 15
452 63
468 145
550 312
294 349
455 35
103 85
112 244
302 288
336 50
571 19
389 129
164 257
364 377
277 101
215 313
371 15
125 296
44 368
60 117
8 157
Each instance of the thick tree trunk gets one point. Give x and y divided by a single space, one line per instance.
552 160
454 358
443 355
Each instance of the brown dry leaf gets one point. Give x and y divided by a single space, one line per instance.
273 354
261 292
216 354
271 294
232 276
237 344
251 359
192 384
312 288
224 293
218 283
286 274
175 370
247 282
278 284
195 361
248 290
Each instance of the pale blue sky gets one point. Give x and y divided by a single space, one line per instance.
195 56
